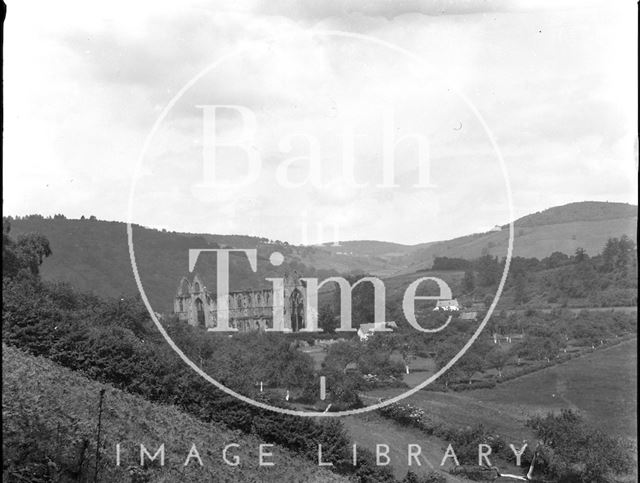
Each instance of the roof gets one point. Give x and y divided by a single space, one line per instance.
447 303
377 326
469 316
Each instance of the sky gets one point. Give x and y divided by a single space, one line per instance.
464 100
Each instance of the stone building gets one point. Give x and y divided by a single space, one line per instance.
248 309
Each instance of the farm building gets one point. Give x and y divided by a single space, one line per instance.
366 330
447 305
471 316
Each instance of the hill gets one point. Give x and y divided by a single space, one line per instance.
92 255
50 416
371 248
562 229
581 211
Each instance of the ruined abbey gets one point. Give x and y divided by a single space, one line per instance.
248 309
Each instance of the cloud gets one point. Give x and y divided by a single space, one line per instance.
554 83
313 10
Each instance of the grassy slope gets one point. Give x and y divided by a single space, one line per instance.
58 394
531 241
602 385
378 430
93 255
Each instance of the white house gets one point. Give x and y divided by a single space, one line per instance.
447 305
365 330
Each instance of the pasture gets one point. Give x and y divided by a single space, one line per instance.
601 385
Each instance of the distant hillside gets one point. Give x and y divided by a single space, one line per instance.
368 248
93 255
49 411
581 211
585 225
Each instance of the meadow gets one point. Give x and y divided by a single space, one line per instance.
602 385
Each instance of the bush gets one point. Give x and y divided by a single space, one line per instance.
431 477
574 451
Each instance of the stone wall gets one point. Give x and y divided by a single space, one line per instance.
248 310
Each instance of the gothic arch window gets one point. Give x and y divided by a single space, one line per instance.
184 287
200 312
196 288
296 305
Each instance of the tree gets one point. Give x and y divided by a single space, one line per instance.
538 347
24 255
327 320
581 255
342 353
446 263
498 359
556 259
408 351
470 364
574 451
469 282
520 287
488 270
375 358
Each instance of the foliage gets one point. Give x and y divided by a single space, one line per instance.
469 281
24 256
113 341
446 263
327 320
93 255
488 269
464 440
498 359
574 451
49 434
431 477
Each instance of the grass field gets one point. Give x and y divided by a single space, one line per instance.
370 429
57 409
601 385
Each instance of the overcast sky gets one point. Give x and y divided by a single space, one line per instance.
554 81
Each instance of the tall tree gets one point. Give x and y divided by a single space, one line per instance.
488 269
520 287
25 255
469 281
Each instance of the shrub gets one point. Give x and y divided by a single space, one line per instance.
574 451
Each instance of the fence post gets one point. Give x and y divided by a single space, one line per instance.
95 475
